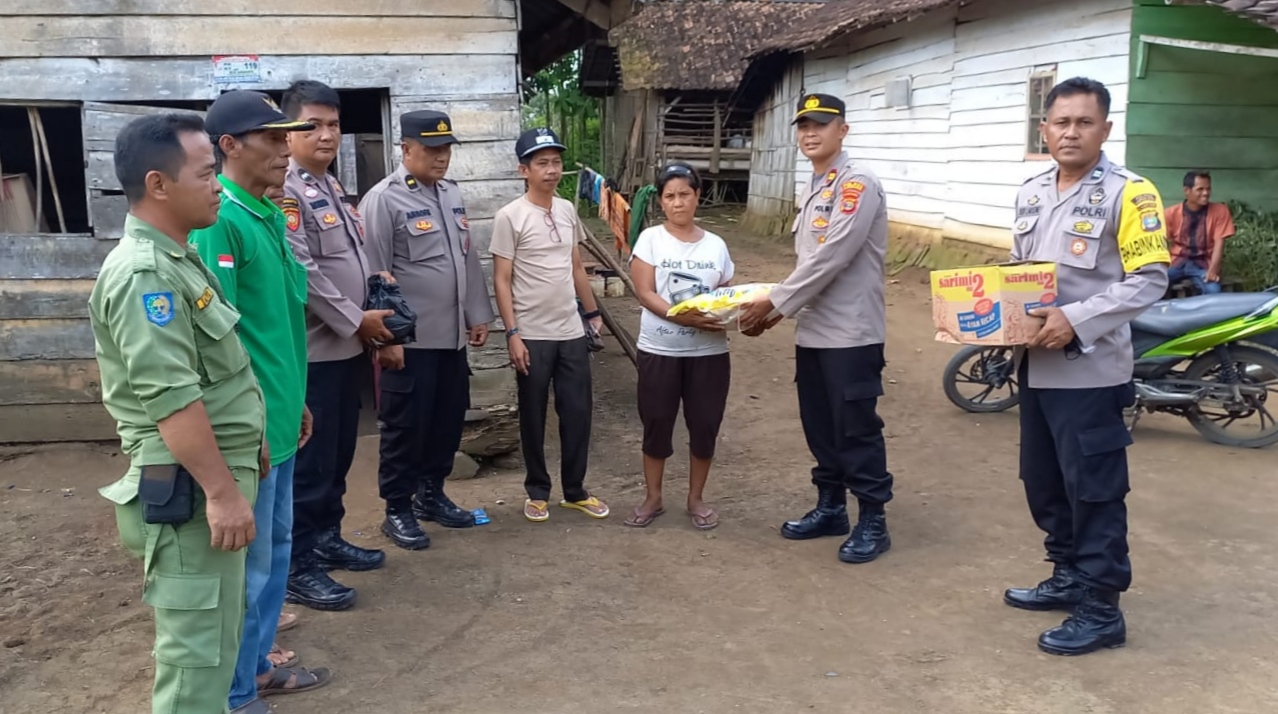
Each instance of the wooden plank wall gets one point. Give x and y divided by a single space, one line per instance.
1205 110
953 160
456 55
773 182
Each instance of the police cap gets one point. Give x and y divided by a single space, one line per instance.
427 127
821 108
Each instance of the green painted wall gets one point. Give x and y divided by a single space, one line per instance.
1204 110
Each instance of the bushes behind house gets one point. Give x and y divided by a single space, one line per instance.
1251 256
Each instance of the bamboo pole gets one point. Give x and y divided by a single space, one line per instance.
39 172
619 332
598 250
48 164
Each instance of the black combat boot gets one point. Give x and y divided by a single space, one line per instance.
404 530
1062 591
869 539
1097 623
333 552
310 586
829 518
432 504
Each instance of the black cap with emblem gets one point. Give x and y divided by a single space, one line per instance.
241 111
535 140
821 108
427 127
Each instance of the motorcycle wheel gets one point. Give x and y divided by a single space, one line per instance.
989 373
1250 425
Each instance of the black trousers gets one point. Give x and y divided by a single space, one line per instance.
1074 467
319 481
566 366
839 391
423 410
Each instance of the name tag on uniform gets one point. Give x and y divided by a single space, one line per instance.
419 213
320 203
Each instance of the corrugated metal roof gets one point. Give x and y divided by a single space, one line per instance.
1262 11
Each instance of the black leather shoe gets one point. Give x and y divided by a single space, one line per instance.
311 587
829 518
868 541
403 530
432 504
1096 624
333 552
1062 591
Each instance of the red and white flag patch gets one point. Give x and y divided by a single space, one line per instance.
226 261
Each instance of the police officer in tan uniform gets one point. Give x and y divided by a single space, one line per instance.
1103 227
416 228
836 294
327 236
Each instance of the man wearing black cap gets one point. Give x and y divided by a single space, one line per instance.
415 227
836 291
248 252
538 277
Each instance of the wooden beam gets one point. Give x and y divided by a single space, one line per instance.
40 423
598 12
28 299
67 257
249 8
63 381
1210 46
45 339
176 36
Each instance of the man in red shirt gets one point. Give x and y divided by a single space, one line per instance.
1197 230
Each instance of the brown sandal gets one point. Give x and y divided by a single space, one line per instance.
303 680
639 519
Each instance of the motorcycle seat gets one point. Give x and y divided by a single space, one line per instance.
1180 316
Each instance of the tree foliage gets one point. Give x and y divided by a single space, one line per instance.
554 98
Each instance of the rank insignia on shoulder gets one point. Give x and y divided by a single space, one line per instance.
329 219
1098 173
410 182
292 218
829 178
424 225
159 307
205 298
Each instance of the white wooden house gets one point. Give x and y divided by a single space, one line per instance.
944 99
73 72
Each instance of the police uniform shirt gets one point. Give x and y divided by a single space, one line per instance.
840 236
164 339
1107 237
326 232
421 235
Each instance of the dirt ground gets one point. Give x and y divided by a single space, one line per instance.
577 616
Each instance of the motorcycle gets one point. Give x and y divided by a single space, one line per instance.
1212 359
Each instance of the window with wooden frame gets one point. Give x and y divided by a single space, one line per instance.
1041 82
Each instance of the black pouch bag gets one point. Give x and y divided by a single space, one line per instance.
383 295
167 493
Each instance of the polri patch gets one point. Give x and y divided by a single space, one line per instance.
292 218
159 307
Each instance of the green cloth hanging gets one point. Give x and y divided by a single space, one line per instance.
639 211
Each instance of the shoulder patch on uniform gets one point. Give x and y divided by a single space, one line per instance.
287 202
292 217
158 307
205 298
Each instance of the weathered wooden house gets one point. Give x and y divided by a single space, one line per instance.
668 74
945 97
73 72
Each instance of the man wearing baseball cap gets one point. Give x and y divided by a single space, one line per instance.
416 228
249 253
836 292
538 278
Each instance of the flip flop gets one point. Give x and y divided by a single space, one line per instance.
707 520
288 621
277 650
592 507
639 519
307 679
536 511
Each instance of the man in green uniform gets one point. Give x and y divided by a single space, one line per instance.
250 256
177 380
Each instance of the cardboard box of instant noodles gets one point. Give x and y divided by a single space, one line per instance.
989 304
